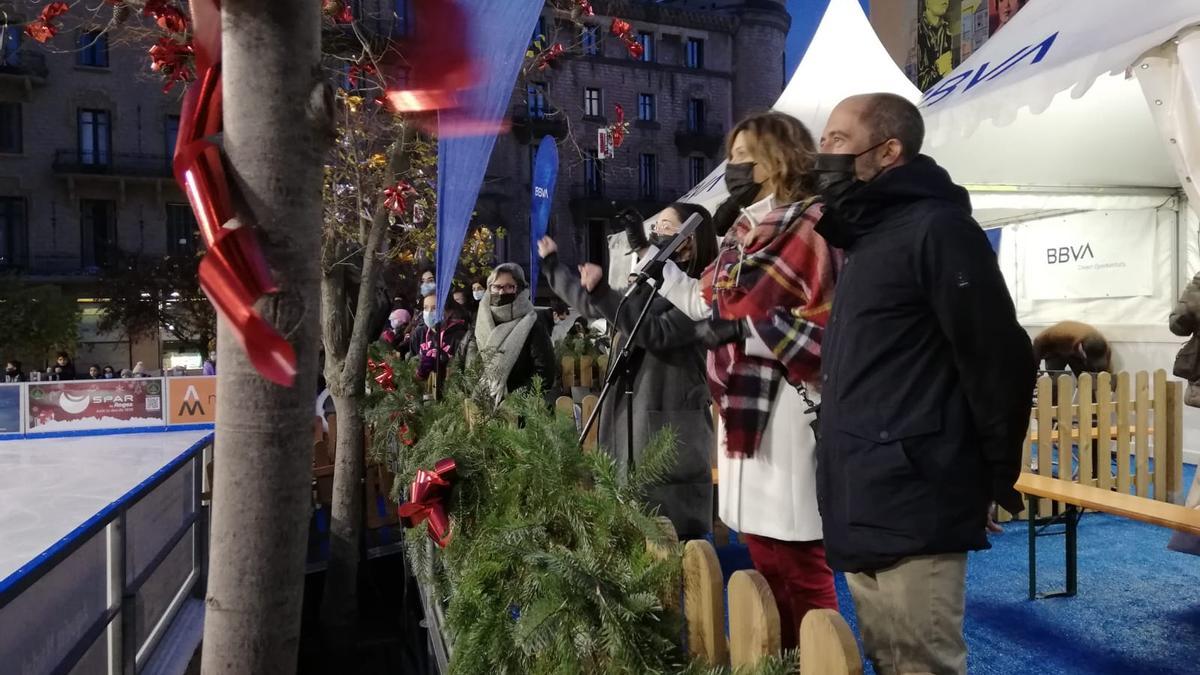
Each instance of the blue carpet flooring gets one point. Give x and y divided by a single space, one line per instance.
1137 610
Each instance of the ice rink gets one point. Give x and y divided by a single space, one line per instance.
49 487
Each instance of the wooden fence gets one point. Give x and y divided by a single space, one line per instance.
1123 433
379 509
583 371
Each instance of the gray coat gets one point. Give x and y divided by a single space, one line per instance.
669 389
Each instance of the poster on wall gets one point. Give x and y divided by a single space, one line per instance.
1089 255
10 409
947 32
95 404
193 400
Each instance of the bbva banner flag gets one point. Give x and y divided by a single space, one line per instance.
545 175
1088 255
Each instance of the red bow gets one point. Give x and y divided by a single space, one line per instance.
357 71
393 197
43 28
168 17
585 8
551 54
624 31
384 375
426 495
233 272
173 59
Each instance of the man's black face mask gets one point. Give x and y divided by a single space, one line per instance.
836 178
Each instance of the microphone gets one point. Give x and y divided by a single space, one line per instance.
653 269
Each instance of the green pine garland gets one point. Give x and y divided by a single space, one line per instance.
548 570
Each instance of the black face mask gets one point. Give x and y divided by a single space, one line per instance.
739 179
836 178
504 299
10 371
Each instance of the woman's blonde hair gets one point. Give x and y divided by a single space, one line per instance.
785 149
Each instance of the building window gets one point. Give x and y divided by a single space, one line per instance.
696 171
694 55
12 231
646 108
695 115
535 93
591 41
95 137
646 40
11 50
182 231
539 31
593 176
10 127
648 176
591 102
402 14
170 136
92 49
97 219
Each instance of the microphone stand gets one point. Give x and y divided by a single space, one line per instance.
621 365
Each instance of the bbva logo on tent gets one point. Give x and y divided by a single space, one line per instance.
1066 254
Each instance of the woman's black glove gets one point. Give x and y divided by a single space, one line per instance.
713 333
635 232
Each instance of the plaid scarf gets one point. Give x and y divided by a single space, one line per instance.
784 286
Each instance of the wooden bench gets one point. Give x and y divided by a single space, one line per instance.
1075 497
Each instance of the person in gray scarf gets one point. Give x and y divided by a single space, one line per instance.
514 345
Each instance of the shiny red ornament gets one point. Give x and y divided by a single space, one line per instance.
635 48
345 15
168 17
233 273
620 28
174 60
426 501
358 70
406 435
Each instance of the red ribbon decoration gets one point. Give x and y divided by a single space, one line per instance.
358 70
173 59
619 126
384 375
393 197
585 7
550 55
234 272
426 498
43 28
168 17
435 64
624 31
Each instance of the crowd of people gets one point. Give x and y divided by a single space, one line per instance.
63 369
865 295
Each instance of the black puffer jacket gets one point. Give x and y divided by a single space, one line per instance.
927 376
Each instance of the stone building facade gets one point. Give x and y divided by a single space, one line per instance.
705 65
86 134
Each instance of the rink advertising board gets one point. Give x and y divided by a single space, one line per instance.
10 409
191 400
95 404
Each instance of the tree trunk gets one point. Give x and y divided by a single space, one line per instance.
276 124
346 326
339 604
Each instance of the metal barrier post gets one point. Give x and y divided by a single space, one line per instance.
115 539
200 529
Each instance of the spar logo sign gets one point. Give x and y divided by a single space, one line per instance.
1067 254
986 72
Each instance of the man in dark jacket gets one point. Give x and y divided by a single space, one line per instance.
926 386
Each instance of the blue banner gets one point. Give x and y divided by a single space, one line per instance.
499 34
993 236
545 175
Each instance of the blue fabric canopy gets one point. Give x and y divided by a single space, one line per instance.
499 35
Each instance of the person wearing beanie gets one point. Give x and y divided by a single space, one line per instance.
514 345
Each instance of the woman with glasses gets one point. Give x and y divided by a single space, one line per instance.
666 377
514 345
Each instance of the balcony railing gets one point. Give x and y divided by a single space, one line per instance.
117 165
534 122
24 63
705 138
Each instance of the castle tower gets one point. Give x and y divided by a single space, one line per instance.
758 61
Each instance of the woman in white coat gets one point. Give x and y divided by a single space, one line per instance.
769 294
